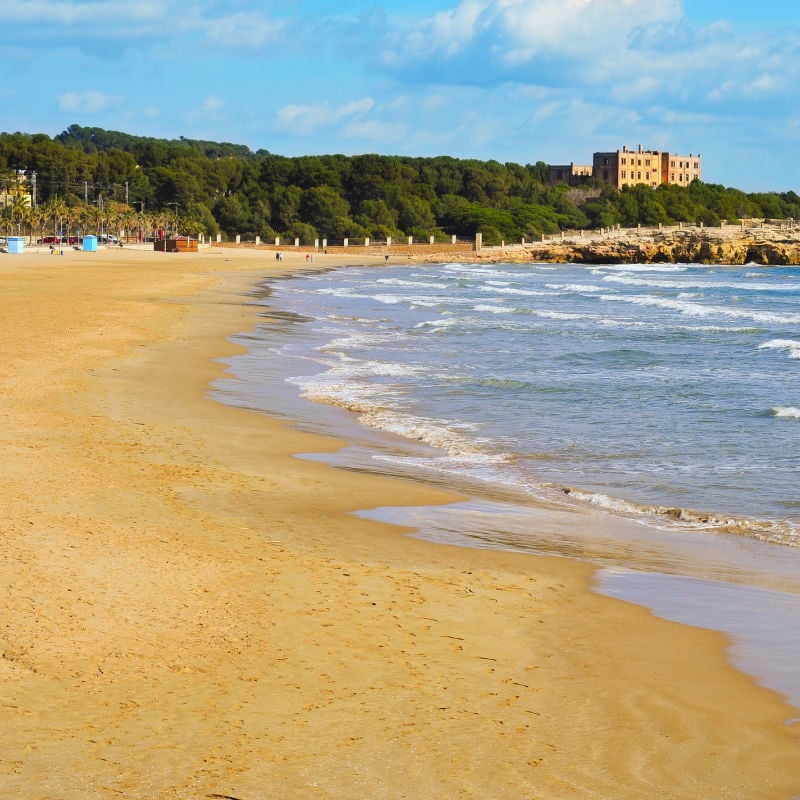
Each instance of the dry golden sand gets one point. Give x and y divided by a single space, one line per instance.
188 611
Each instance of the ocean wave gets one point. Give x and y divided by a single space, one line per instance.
785 412
581 288
792 346
749 286
420 284
447 322
699 310
510 290
493 309
471 270
600 270
770 531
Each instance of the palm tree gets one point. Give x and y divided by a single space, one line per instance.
20 212
6 218
39 219
56 210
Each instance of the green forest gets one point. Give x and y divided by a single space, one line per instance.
98 178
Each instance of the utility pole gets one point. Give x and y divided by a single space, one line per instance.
126 193
86 192
33 188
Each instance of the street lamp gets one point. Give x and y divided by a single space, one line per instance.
177 206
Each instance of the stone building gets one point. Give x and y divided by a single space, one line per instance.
572 173
630 167
13 186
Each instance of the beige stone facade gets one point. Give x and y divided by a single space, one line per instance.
13 186
631 167
572 173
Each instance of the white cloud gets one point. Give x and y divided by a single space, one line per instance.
514 31
305 119
374 129
87 102
72 13
212 104
249 30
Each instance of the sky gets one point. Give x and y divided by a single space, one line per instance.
511 80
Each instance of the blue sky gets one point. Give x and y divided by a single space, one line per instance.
511 80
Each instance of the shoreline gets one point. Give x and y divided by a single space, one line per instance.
172 567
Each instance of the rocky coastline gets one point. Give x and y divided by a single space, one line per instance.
776 246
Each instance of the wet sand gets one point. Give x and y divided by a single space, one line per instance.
190 611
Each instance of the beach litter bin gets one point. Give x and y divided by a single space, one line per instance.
16 244
90 244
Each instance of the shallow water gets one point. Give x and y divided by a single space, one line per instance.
652 412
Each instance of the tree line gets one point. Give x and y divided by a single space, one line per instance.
211 187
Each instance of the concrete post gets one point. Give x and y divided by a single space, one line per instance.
219 238
346 241
388 241
562 236
316 244
324 243
258 241
432 239
366 242
453 239
277 241
297 241
702 224
411 240
478 241
238 238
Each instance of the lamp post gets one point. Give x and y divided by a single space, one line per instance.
177 206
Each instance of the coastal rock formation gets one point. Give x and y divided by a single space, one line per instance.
768 247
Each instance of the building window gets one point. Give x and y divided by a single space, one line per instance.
639 175
605 174
647 162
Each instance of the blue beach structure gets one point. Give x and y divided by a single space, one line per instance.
90 243
16 244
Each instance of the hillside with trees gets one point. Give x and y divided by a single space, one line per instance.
112 180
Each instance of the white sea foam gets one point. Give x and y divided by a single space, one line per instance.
447 322
654 283
451 437
785 412
792 346
599 270
419 284
510 290
469 270
699 310
575 287
561 315
675 517
493 309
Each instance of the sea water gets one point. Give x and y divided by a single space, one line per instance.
661 403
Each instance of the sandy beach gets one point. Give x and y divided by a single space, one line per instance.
190 611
